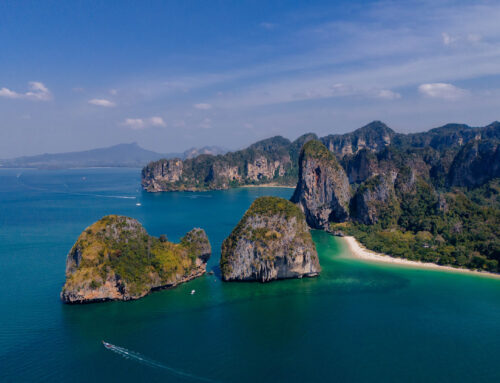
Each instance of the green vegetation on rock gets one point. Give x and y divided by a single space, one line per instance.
115 258
315 149
271 241
323 189
459 228
275 160
269 206
263 162
391 189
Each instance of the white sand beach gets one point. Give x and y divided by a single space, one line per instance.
268 185
361 252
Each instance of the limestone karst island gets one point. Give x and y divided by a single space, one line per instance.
270 242
427 197
116 259
250 191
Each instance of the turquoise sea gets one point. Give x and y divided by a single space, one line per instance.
357 322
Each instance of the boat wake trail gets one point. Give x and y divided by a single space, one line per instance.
127 354
67 192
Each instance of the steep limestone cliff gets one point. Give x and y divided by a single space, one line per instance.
272 241
374 137
368 151
406 202
261 168
263 162
361 166
116 259
375 200
156 175
449 135
323 190
477 163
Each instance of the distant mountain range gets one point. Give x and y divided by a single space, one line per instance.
122 155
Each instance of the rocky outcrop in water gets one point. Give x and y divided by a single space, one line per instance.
263 162
160 173
323 190
116 259
272 241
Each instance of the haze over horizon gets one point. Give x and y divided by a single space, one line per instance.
171 76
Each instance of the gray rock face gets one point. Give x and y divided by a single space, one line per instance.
361 166
264 162
368 151
323 190
272 241
373 199
373 137
157 174
116 259
475 164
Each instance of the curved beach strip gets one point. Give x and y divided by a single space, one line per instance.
268 185
357 250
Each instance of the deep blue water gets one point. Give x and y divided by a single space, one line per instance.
358 322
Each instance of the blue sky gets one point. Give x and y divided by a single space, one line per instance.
175 74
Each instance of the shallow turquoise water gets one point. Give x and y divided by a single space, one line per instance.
358 322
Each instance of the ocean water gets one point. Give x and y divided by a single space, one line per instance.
357 322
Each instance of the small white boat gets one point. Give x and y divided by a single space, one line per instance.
138 204
106 344
193 291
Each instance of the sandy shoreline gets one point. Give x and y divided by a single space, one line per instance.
361 252
271 185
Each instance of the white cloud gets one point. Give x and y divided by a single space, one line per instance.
203 106
4 92
134 123
441 90
37 92
366 63
388 94
447 38
369 56
157 121
143 123
102 102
